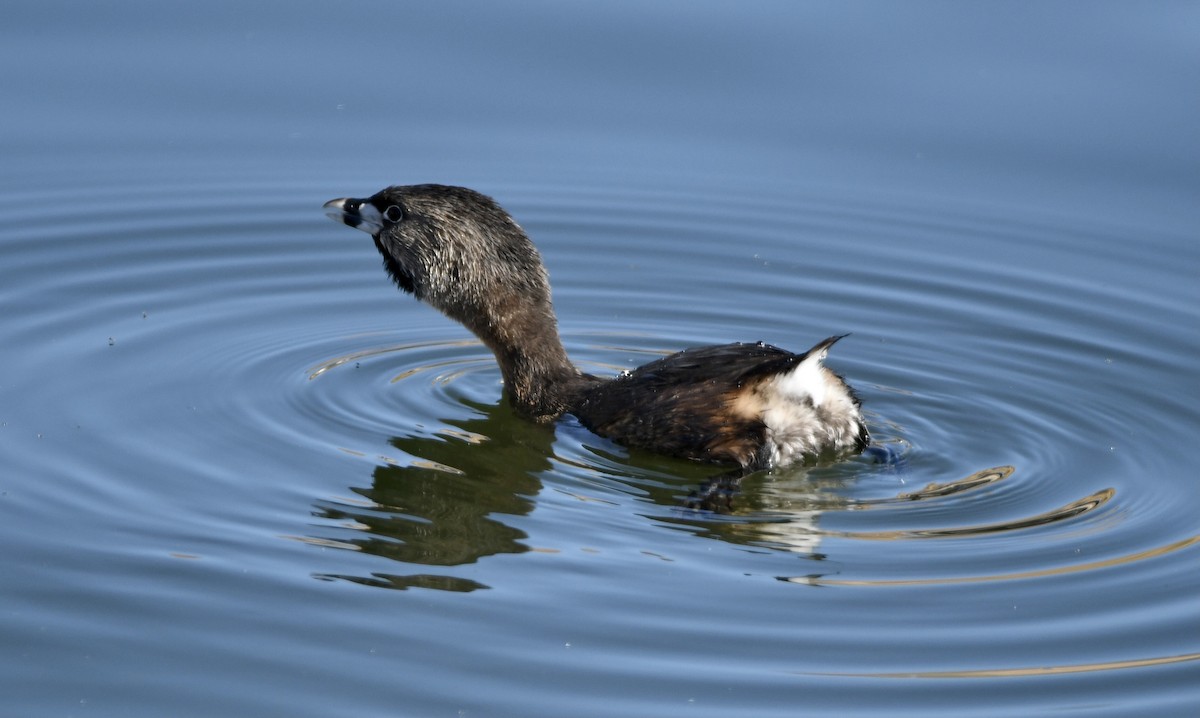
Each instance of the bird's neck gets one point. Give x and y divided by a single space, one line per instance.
539 377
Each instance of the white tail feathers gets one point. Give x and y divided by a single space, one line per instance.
808 380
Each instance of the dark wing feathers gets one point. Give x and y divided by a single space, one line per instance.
680 404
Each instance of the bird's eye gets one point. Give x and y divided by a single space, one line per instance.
393 213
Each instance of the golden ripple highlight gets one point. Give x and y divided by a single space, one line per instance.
1030 671
974 481
1071 510
1015 576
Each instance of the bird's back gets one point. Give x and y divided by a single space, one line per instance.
755 405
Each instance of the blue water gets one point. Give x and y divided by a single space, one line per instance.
242 475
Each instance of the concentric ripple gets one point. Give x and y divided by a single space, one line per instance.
262 371
376 385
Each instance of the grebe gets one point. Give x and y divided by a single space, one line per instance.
753 405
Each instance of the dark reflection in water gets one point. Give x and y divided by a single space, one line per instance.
439 509
442 498
443 501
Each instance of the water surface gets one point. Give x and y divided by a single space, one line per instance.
244 475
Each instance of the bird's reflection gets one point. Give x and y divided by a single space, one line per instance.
444 505
443 499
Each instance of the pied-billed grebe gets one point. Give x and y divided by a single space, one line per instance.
751 404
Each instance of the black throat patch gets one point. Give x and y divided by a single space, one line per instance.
399 274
